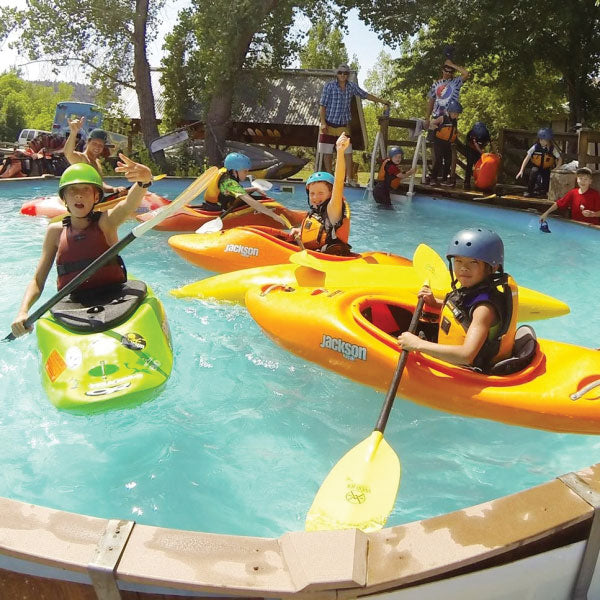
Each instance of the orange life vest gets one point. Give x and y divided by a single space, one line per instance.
447 130
543 157
381 176
318 232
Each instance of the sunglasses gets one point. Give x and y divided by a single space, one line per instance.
343 72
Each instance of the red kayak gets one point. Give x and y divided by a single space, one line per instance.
53 206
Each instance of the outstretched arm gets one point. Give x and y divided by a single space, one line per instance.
138 174
335 206
69 151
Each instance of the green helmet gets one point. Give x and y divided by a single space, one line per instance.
80 173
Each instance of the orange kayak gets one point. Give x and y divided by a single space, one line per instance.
247 247
53 206
190 218
555 386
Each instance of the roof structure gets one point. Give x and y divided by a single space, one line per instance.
282 110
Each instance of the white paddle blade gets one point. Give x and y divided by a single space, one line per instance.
211 226
262 184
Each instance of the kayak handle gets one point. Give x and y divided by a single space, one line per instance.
583 391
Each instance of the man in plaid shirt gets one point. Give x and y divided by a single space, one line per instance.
335 114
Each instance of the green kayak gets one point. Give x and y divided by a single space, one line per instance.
111 351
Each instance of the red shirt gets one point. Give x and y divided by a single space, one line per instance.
578 202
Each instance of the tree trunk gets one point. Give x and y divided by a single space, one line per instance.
218 116
143 83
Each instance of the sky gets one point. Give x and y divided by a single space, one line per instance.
359 40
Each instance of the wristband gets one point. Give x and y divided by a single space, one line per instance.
144 185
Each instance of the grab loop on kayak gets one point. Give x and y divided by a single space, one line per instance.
276 286
583 391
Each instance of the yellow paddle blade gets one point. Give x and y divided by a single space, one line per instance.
431 267
360 491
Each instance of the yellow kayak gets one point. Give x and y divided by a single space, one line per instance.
371 278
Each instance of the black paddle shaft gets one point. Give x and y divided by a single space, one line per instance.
391 394
77 281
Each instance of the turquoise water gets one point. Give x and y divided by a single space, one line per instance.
244 433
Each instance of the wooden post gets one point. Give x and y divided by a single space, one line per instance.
582 148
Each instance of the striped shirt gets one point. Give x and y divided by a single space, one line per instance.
337 101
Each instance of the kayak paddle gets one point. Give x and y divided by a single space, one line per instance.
217 224
191 192
360 491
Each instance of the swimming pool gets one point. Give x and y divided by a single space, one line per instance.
242 436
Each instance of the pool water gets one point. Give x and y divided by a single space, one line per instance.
243 434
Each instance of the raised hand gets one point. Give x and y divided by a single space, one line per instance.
342 142
133 171
75 125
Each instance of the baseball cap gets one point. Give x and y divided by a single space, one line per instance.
343 68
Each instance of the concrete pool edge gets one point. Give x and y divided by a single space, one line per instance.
61 547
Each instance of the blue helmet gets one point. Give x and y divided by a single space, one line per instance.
236 161
480 130
395 150
454 106
482 244
545 133
320 176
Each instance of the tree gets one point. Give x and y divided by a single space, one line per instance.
26 104
325 48
213 44
512 40
107 37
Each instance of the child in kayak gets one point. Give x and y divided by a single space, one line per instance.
326 227
225 192
390 176
583 201
85 234
477 321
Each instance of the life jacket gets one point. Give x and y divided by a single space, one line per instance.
543 157
213 193
447 130
457 315
387 178
79 248
318 233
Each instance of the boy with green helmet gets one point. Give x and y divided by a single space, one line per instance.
85 234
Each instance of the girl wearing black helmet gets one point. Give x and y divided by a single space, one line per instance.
478 319
544 157
390 176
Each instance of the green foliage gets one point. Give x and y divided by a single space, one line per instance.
325 48
24 104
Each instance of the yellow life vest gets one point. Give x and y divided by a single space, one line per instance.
543 157
211 195
318 233
457 315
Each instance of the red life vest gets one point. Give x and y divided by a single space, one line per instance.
78 248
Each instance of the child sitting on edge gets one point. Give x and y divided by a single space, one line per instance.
583 201
477 321
85 234
544 157
326 227
390 176
477 139
445 135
